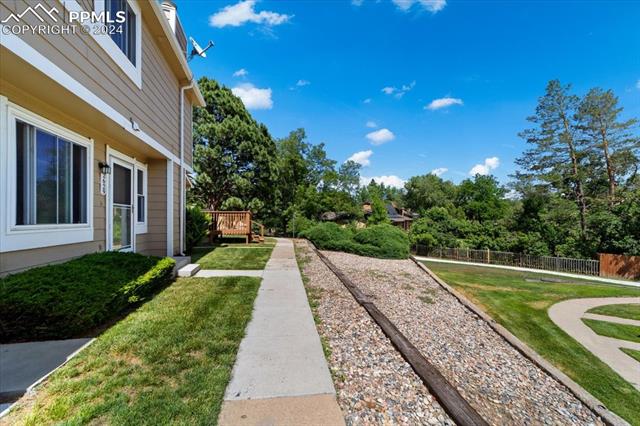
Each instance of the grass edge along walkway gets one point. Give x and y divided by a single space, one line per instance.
521 307
628 311
169 360
232 257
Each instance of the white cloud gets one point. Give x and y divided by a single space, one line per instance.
241 73
361 157
512 195
443 103
380 136
367 101
243 12
357 2
399 92
302 83
371 124
485 168
433 6
391 180
253 97
439 171
638 84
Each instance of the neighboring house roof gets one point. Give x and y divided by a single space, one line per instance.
167 41
394 213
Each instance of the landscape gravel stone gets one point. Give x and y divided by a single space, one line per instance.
498 381
374 384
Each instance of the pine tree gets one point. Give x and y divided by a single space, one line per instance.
556 158
603 131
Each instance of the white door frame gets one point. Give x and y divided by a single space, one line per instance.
115 157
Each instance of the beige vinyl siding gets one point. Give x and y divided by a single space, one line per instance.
155 240
155 108
86 4
176 208
16 261
188 133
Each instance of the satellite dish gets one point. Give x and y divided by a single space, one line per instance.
197 50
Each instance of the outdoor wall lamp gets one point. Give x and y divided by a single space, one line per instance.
105 169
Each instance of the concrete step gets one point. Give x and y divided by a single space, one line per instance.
189 270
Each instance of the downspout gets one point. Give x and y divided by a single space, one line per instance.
182 192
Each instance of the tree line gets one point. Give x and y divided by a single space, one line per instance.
576 192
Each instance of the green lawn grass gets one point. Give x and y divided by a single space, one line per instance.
632 353
629 311
169 362
232 257
521 306
617 331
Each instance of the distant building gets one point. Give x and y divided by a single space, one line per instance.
402 218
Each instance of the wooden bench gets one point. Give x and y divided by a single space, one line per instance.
234 223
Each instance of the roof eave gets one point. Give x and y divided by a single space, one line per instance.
166 39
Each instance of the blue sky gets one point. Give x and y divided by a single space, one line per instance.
445 84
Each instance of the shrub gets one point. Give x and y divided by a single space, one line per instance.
328 235
298 224
197 227
70 299
384 241
391 241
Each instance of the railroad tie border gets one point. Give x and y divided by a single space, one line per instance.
460 411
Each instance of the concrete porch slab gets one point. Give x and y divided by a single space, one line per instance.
293 411
22 364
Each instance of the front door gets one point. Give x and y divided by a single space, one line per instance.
121 206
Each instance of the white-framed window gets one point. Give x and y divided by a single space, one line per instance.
141 185
125 46
124 34
46 182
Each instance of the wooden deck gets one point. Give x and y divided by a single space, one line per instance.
234 223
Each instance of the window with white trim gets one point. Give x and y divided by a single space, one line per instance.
141 198
51 178
46 182
125 33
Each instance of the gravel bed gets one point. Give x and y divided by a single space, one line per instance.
374 384
498 381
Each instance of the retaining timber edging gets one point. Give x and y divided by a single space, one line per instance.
585 397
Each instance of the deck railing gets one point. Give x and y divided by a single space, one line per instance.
549 263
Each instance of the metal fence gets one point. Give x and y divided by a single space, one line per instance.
548 263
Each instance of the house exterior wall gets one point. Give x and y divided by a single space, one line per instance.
155 107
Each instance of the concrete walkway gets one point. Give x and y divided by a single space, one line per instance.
537 271
281 376
568 316
24 364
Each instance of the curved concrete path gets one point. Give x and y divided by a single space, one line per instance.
568 316
281 376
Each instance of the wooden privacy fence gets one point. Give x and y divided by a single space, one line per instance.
619 265
548 263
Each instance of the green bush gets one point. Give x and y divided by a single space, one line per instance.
383 241
391 241
72 298
298 224
197 227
